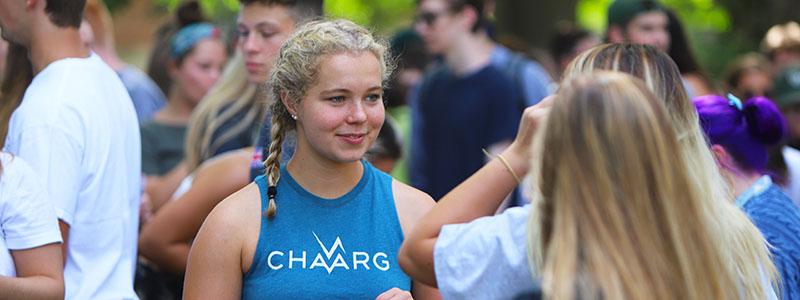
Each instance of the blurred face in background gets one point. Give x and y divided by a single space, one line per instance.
437 24
583 44
754 82
262 30
200 69
649 28
12 21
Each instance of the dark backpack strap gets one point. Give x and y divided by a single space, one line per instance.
514 69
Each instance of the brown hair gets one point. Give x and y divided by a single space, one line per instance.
480 6
299 9
65 13
17 76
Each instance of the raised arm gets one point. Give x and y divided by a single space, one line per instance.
165 239
99 19
478 196
161 188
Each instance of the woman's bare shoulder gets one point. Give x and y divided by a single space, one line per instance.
411 204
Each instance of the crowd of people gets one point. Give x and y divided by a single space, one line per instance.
257 164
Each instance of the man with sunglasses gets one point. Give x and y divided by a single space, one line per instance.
472 100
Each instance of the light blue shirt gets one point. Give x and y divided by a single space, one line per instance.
761 185
146 96
486 258
535 80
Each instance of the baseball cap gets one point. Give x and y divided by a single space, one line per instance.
787 86
623 11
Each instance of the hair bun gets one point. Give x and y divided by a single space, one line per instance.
764 120
189 13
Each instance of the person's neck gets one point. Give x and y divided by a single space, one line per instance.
50 43
324 178
469 53
178 109
110 57
742 181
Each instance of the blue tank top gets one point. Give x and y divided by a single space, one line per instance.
315 248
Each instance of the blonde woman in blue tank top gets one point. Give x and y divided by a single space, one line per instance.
328 224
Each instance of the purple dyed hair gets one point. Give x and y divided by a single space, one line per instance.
745 131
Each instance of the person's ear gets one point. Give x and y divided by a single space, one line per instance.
469 15
723 157
31 4
290 107
615 34
172 69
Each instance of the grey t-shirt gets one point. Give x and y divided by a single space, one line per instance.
162 147
486 258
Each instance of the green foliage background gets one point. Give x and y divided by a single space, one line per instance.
709 24
381 15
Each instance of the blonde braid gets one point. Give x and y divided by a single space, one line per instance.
281 122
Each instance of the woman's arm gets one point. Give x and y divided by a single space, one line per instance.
223 249
40 274
165 239
478 196
411 205
161 188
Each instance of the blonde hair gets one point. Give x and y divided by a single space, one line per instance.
231 97
619 218
296 70
743 248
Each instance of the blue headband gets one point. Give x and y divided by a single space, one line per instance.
186 38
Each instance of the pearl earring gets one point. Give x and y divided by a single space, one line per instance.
294 116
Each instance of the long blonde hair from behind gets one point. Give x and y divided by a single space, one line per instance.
296 70
620 219
743 248
233 95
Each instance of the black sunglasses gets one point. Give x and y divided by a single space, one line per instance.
428 17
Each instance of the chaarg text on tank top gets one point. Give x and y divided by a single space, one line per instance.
328 258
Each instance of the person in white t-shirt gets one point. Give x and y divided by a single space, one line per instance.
792 186
77 129
29 236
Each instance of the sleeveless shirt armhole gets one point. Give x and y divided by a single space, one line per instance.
261 182
381 176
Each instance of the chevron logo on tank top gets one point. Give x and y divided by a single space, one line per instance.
329 258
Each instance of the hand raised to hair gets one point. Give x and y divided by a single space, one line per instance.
518 153
395 294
